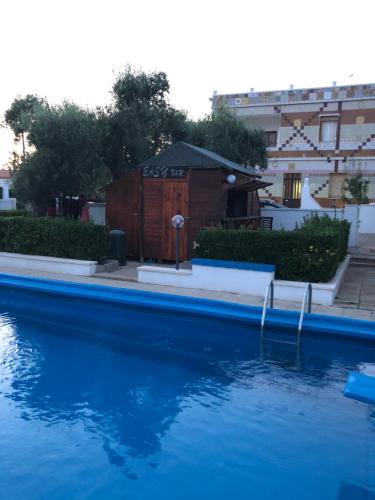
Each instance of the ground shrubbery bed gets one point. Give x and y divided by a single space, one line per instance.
53 238
14 213
311 252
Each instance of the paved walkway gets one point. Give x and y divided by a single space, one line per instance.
365 245
358 288
129 272
118 281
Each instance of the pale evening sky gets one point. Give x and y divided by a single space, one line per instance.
70 49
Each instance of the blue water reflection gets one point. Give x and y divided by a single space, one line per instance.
87 415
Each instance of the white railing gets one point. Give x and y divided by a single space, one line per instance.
307 296
268 299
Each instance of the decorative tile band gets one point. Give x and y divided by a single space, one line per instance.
334 93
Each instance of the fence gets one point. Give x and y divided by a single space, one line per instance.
288 218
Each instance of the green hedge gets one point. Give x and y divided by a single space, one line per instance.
14 213
309 253
53 238
319 224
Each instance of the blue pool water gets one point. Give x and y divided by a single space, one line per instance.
168 406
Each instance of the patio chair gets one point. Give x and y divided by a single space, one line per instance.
266 223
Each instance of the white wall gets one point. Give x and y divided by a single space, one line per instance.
8 204
367 218
287 218
209 278
49 264
242 281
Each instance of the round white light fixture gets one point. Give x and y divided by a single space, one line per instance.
231 179
178 221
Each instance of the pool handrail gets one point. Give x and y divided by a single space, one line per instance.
307 298
268 298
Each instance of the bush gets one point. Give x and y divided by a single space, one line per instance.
319 224
53 238
309 253
14 213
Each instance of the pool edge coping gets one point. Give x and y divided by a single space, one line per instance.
250 314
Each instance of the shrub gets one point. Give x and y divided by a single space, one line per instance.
310 253
14 213
319 224
53 238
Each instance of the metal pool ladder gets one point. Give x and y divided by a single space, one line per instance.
307 296
263 339
268 298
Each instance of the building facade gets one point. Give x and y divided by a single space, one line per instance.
326 134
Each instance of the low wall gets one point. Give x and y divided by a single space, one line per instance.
236 277
322 293
206 274
288 218
8 204
48 264
367 218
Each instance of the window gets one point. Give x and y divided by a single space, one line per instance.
292 190
359 120
328 128
336 182
271 138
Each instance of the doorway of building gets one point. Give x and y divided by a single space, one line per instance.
237 204
292 190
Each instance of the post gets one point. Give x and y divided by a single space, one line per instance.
334 207
178 222
141 221
177 246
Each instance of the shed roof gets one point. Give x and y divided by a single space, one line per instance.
183 155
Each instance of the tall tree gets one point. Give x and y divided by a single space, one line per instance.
140 122
225 134
19 117
66 157
76 150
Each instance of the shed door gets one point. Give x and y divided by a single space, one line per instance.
175 202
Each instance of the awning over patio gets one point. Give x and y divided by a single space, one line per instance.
251 185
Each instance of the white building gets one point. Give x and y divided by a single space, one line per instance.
6 203
323 133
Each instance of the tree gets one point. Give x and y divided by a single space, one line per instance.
76 150
357 186
140 122
66 157
19 117
225 134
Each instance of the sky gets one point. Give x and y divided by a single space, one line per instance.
72 49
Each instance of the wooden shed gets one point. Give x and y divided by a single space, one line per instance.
186 180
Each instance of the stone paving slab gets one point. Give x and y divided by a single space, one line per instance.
358 289
129 272
365 245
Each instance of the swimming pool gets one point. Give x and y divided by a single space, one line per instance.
117 394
